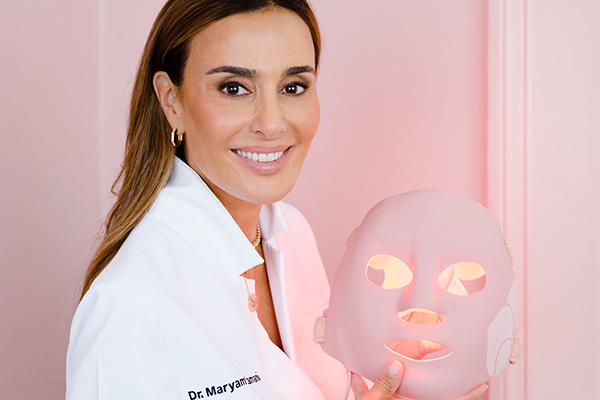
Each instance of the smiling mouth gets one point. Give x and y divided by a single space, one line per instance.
419 349
260 157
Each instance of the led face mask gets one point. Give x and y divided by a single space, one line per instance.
426 279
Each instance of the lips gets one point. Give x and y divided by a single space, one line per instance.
419 349
263 160
260 157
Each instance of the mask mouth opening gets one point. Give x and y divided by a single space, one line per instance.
419 349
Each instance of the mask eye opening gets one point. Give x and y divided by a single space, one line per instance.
388 272
463 278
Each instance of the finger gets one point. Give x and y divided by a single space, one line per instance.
386 385
358 385
473 394
388 382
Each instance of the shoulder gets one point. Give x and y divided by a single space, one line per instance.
108 299
105 345
109 313
145 246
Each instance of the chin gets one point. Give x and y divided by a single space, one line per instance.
268 196
272 189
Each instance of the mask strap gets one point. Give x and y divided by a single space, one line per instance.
319 337
319 330
350 237
517 347
509 251
348 385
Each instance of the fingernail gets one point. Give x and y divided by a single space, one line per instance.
486 387
395 368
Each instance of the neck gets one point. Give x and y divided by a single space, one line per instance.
245 214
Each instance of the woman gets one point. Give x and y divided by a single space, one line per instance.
179 302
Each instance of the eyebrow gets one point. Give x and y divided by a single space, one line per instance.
252 73
299 70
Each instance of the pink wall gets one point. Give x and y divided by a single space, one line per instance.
404 92
563 195
50 199
124 27
66 71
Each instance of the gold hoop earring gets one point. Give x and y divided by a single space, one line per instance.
176 138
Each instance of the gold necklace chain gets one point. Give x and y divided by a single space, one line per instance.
256 240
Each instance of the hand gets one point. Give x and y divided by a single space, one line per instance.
389 381
384 387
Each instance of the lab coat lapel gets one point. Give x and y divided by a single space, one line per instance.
191 209
275 269
274 229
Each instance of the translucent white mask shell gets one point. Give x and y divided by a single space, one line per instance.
425 279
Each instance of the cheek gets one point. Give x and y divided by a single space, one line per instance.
306 121
212 121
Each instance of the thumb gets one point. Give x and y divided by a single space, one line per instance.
388 382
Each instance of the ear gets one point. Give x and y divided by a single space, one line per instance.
166 92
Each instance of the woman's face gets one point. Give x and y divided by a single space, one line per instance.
248 104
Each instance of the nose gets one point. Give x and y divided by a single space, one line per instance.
421 316
269 120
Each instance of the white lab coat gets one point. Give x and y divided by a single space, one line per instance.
168 318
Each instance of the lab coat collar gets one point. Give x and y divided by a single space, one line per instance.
271 221
189 207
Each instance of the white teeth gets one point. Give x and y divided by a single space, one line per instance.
260 157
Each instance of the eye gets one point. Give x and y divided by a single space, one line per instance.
294 89
388 272
233 89
463 279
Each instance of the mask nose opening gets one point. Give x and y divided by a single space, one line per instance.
421 316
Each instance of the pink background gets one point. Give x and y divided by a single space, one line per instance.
496 100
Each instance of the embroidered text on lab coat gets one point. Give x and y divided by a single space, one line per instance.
224 388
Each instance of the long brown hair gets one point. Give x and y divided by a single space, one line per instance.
149 154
